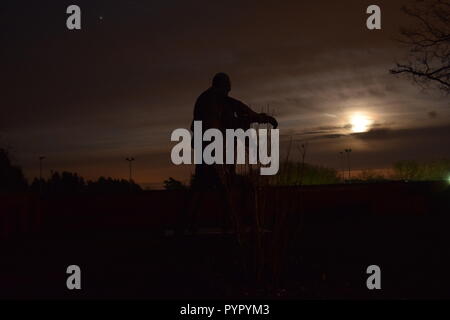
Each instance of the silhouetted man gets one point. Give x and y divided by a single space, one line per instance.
218 110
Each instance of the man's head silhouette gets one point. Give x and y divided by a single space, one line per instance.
222 81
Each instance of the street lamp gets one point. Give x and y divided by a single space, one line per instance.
341 153
41 158
347 151
130 160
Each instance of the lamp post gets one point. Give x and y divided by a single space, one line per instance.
347 151
130 161
341 153
41 158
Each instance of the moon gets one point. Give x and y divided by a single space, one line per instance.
360 123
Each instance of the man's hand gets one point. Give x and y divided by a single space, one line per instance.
273 122
269 119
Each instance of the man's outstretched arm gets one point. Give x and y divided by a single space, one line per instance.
244 111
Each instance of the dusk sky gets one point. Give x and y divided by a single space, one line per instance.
87 99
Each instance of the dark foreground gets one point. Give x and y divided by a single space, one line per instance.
322 239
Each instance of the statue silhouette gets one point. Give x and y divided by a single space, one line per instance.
216 109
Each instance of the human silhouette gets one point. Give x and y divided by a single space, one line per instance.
216 109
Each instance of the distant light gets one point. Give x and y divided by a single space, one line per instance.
448 179
360 123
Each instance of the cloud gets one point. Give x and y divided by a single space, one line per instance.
432 114
436 133
374 134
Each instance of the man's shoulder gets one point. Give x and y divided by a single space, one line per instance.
207 94
208 99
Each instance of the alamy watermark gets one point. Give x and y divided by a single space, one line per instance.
213 153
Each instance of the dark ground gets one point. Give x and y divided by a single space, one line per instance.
120 244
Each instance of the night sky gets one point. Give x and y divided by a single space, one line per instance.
118 87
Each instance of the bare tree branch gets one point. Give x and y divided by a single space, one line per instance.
428 60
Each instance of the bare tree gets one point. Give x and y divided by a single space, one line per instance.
428 62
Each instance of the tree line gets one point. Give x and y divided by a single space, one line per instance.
12 179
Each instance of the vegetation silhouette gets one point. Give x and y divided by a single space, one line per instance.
172 184
410 170
12 178
68 182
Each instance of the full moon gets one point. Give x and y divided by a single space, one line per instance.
360 123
